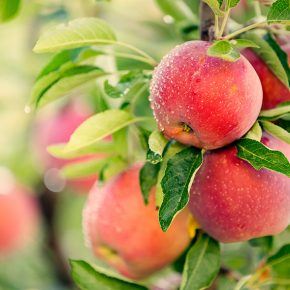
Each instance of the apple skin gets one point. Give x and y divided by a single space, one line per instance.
274 91
58 128
19 216
219 100
233 202
126 233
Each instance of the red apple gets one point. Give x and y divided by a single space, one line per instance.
126 233
233 202
18 218
204 101
56 129
274 91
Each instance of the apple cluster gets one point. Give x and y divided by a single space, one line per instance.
208 103
199 101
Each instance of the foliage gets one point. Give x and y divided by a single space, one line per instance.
123 127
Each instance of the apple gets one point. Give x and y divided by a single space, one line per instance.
274 91
233 202
126 233
18 218
58 128
204 101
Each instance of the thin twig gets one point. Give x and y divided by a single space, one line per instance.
257 8
224 23
247 28
48 202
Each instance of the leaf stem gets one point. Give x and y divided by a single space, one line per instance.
257 8
132 56
242 30
137 95
224 23
216 25
153 62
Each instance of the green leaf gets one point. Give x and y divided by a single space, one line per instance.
125 83
226 283
148 178
8 9
279 12
223 49
177 9
172 149
69 81
135 91
276 131
274 114
176 183
77 33
87 278
120 140
232 3
143 137
60 83
282 55
98 127
202 264
115 166
268 55
215 6
243 43
259 156
98 99
85 168
67 56
157 142
152 157
266 243
280 262
285 124
111 91
255 132
58 150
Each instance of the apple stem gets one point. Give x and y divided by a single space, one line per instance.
207 23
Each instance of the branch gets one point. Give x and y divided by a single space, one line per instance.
207 22
48 201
